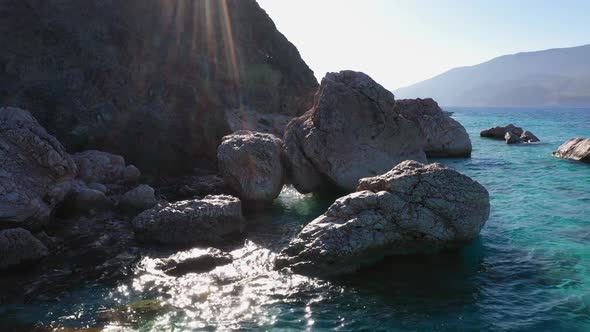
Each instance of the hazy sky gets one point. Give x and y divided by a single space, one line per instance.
399 42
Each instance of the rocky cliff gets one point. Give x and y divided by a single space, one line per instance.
157 81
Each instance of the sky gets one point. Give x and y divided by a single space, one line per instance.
401 42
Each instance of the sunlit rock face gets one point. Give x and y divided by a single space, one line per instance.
213 219
352 131
157 81
445 137
575 149
250 163
414 208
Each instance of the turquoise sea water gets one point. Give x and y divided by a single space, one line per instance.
529 270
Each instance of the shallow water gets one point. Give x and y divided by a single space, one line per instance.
528 271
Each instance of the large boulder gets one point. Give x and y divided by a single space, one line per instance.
18 247
352 131
445 137
137 76
413 208
529 137
250 164
575 149
104 167
500 132
209 220
32 163
511 138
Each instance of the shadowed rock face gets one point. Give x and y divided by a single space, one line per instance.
32 162
500 132
157 81
575 149
18 246
413 208
445 137
352 131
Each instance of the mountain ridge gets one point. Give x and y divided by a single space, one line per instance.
552 77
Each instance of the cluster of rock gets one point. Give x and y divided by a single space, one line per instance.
577 149
414 208
510 134
40 184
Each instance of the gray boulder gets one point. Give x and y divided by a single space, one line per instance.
511 138
139 198
250 164
131 174
32 162
529 137
575 149
352 131
84 199
18 247
208 220
445 137
413 208
500 132
99 166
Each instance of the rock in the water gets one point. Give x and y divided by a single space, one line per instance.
445 137
511 138
139 198
151 80
250 164
18 247
528 137
575 149
99 166
413 208
208 220
352 131
500 132
195 261
32 162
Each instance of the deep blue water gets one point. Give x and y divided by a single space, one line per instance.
529 270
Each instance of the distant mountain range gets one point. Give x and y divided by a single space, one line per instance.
555 77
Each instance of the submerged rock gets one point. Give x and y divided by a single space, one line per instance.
208 220
500 132
32 162
352 131
575 149
445 137
250 164
413 208
18 247
195 261
139 198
